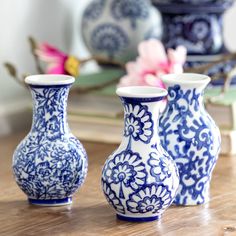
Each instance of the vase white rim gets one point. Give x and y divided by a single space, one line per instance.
141 92
186 78
49 79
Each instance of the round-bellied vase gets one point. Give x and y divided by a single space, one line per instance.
140 179
190 136
112 29
49 164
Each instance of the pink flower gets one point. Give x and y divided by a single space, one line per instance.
57 61
152 63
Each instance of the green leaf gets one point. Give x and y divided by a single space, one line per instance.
11 69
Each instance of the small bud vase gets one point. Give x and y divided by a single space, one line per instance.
49 164
140 179
190 136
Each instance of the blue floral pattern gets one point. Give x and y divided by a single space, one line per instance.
109 38
132 9
152 198
138 122
94 10
191 137
125 170
199 33
112 199
163 170
50 163
108 27
139 179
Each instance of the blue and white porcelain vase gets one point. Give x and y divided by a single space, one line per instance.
190 136
112 29
49 164
140 179
195 24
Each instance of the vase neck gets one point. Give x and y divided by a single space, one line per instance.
49 110
141 120
183 97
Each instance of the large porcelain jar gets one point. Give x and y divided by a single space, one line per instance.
112 29
190 136
140 179
195 24
49 164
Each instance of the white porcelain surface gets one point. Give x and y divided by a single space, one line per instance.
190 136
140 179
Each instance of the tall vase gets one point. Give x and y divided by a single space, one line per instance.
140 179
49 164
190 136
112 29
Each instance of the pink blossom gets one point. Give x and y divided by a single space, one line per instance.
57 61
54 58
152 63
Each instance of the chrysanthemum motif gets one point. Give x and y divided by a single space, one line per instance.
161 167
109 38
125 170
131 9
200 28
112 198
94 10
152 198
138 122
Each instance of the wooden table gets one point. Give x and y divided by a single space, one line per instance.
90 214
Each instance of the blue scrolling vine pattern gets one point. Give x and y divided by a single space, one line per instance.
50 163
128 170
190 136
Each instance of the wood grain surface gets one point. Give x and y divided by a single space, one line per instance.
90 214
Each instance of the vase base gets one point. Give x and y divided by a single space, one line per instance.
51 202
137 219
191 203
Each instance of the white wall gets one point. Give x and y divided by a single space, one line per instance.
54 21
230 28
47 20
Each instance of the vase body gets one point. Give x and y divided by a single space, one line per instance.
140 179
49 164
190 136
112 29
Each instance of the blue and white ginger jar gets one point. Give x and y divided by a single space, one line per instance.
112 29
190 136
195 24
49 164
140 179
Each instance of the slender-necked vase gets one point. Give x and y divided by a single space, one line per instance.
190 136
140 179
49 164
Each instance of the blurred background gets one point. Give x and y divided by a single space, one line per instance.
55 21
58 23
